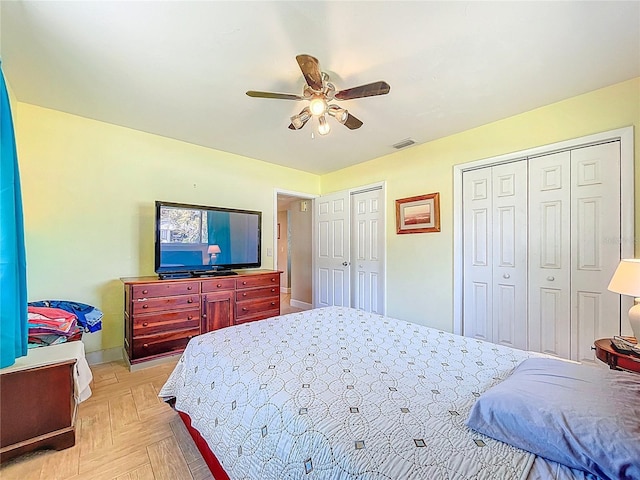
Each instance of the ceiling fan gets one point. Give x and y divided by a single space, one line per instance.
319 91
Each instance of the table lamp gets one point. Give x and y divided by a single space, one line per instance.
213 252
626 281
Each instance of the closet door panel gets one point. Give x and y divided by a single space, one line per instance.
477 225
549 259
510 254
595 245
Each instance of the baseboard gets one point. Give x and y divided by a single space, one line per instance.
134 367
285 290
299 304
104 356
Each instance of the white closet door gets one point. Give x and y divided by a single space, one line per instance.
367 233
549 259
510 254
595 245
332 271
478 255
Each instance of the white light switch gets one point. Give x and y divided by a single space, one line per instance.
269 252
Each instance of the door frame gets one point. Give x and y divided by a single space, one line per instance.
627 206
354 191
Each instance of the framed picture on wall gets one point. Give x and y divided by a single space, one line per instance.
419 214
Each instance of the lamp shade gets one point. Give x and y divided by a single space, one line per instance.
213 250
626 279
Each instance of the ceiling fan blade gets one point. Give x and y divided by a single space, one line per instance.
311 71
280 96
368 90
352 122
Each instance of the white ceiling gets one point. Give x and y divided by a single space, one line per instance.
181 69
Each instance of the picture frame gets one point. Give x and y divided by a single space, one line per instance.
419 214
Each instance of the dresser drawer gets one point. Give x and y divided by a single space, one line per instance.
249 309
258 281
253 293
218 284
164 289
162 343
166 321
165 303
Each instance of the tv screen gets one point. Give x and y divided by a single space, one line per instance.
197 240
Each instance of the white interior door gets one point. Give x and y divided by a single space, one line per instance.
595 245
367 246
549 260
332 250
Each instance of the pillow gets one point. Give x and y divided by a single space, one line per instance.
582 416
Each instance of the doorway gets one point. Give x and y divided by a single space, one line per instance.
293 252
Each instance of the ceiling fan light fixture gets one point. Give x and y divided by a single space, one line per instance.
340 114
324 126
318 106
300 119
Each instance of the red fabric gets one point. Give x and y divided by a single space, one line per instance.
210 459
51 313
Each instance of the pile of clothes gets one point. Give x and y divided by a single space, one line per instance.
57 321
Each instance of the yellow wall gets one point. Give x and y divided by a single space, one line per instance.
420 266
89 190
89 187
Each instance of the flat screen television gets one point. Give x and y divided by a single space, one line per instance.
195 240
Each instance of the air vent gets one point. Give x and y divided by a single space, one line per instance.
403 143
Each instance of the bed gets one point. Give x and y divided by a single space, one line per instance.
337 393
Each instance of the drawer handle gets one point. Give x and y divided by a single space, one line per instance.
190 300
145 345
144 292
219 285
506 275
190 317
190 337
204 315
550 278
245 309
145 306
273 289
145 324
244 294
190 287
273 279
244 283
273 303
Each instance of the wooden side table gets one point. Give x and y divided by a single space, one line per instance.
616 360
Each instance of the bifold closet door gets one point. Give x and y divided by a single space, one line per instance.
477 307
495 254
549 259
595 246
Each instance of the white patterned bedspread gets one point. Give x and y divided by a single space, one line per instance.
336 393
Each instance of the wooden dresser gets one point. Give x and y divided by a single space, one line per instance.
161 316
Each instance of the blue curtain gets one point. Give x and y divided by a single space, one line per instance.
13 269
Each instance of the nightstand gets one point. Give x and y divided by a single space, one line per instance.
615 359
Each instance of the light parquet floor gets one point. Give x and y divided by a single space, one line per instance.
123 432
